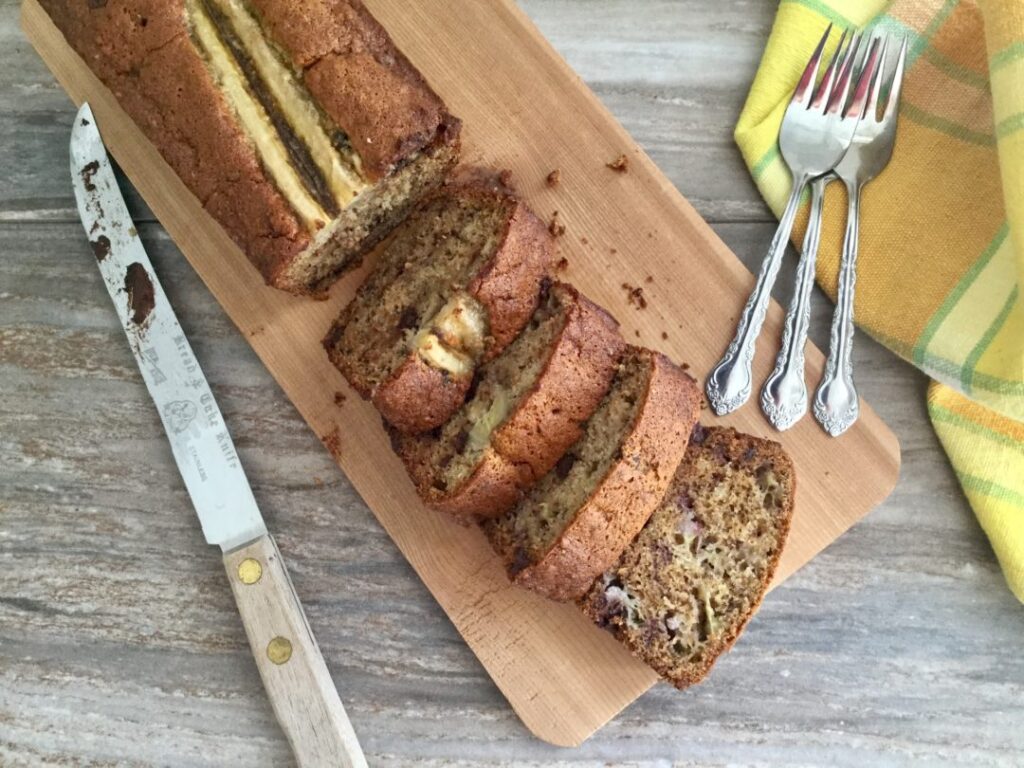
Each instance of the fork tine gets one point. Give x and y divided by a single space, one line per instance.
837 101
810 75
860 94
876 83
897 83
826 81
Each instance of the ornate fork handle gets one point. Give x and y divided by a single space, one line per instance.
836 405
728 385
784 396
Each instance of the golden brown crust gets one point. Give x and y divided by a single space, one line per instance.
728 445
548 419
625 498
418 397
363 82
142 51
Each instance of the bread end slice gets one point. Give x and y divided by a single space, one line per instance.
688 584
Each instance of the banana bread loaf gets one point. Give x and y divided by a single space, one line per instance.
685 588
527 407
298 126
576 522
452 286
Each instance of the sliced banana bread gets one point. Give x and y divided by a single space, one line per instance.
683 591
576 522
453 286
527 407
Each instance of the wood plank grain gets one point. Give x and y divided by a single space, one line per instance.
562 676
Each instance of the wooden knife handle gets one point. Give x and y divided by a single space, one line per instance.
300 688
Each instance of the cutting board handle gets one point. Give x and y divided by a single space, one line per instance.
294 674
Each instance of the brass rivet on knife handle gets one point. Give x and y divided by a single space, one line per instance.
250 571
279 650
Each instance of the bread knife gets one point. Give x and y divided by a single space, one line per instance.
294 674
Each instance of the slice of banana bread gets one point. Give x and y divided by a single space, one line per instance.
527 407
576 522
683 591
454 285
299 126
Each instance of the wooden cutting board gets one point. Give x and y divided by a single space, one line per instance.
524 109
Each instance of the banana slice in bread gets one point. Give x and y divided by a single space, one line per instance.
453 286
578 519
683 591
528 406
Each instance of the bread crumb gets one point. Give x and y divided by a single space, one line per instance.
556 227
635 295
649 279
332 440
619 164
664 336
256 331
584 240
562 264
685 366
505 177
637 334
554 178
339 399
614 250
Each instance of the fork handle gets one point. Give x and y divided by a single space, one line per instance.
728 385
784 395
836 405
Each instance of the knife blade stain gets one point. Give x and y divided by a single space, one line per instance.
141 298
90 170
100 247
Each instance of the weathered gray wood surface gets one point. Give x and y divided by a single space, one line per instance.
119 640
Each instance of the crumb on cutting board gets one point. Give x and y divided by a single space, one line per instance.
332 440
664 336
554 178
562 264
649 279
635 295
556 227
619 164
584 240
339 399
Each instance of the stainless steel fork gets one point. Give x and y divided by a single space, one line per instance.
816 132
784 396
836 405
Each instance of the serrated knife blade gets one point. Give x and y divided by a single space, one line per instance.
300 687
202 446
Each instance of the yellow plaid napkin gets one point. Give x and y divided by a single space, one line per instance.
942 235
